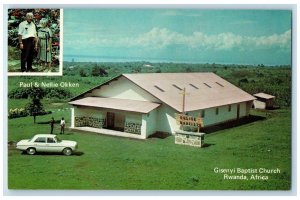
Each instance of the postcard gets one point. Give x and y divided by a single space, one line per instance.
162 99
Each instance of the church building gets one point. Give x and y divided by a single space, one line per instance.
139 105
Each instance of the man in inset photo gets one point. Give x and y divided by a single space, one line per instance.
34 45
27 42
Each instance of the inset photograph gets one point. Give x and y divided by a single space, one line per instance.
34 42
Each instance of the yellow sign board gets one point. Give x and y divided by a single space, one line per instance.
186 120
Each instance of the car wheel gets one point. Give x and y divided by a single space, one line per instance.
31 151
67 151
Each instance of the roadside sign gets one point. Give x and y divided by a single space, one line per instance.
185 120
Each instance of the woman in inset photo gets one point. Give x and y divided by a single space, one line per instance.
45 45
34 43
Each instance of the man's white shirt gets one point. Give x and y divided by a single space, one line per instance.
62 122
27 30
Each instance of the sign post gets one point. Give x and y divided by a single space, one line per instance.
183 99
187 137
185 120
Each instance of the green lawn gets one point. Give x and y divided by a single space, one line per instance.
106 162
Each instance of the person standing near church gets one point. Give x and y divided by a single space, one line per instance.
52 125
62 125
27 36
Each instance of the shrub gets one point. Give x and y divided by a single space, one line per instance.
13 53
18 93
82 73
50 93
17 112
98 71
190 128
57 93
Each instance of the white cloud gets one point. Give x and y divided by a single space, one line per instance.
158 38
282 41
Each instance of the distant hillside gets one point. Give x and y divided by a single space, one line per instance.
274 80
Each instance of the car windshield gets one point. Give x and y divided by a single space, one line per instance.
31 139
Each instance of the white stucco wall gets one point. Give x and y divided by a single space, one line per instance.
149 124
259 104
211 117
243 109
123 89
224 114
248 108
72 118
166 121
163 119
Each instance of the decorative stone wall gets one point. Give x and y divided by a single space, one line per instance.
80 121
131 127
95 122
189 138
90 122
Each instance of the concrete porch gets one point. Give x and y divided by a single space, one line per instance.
107 132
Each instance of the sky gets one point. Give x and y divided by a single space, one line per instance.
180 35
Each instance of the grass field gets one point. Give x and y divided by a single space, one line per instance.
113 163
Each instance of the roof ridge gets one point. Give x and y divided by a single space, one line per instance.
169 73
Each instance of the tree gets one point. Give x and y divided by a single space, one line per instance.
98 71
244 80
188 69
137 69
103 72
36 93
35 107
82 73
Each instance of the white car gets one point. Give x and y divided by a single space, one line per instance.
47 143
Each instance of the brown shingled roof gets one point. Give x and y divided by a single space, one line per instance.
264 95
118 104
205 90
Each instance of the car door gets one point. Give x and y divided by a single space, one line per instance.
52 145
40 144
